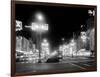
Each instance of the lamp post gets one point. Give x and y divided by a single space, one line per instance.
39 26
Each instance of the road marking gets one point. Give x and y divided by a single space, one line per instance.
34 71
77 65
86 64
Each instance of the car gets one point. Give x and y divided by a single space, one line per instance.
53 60
53 57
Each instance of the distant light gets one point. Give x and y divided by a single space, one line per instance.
37 50
81 26
90 12
72 40
45 40
72 43
83 36
45 43
93 13
62 39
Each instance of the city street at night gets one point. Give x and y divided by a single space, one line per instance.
54 39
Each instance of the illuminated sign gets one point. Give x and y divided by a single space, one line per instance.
39 27
18 25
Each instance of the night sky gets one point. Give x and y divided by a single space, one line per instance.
63 21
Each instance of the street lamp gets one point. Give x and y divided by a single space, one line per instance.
39 16
39 26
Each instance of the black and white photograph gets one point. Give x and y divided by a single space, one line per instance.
54 38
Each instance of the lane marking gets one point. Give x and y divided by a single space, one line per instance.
77 65
86 64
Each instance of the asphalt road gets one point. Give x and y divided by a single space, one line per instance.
64 66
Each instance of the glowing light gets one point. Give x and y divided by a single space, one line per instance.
81 26
18 25
39 27
90 12
62 39
45 47
45 43
39 16
45 40
83 36
37 50
72 40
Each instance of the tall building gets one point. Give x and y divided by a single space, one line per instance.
45 49
25 44
73 47
18 43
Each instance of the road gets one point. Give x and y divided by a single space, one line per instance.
63 66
